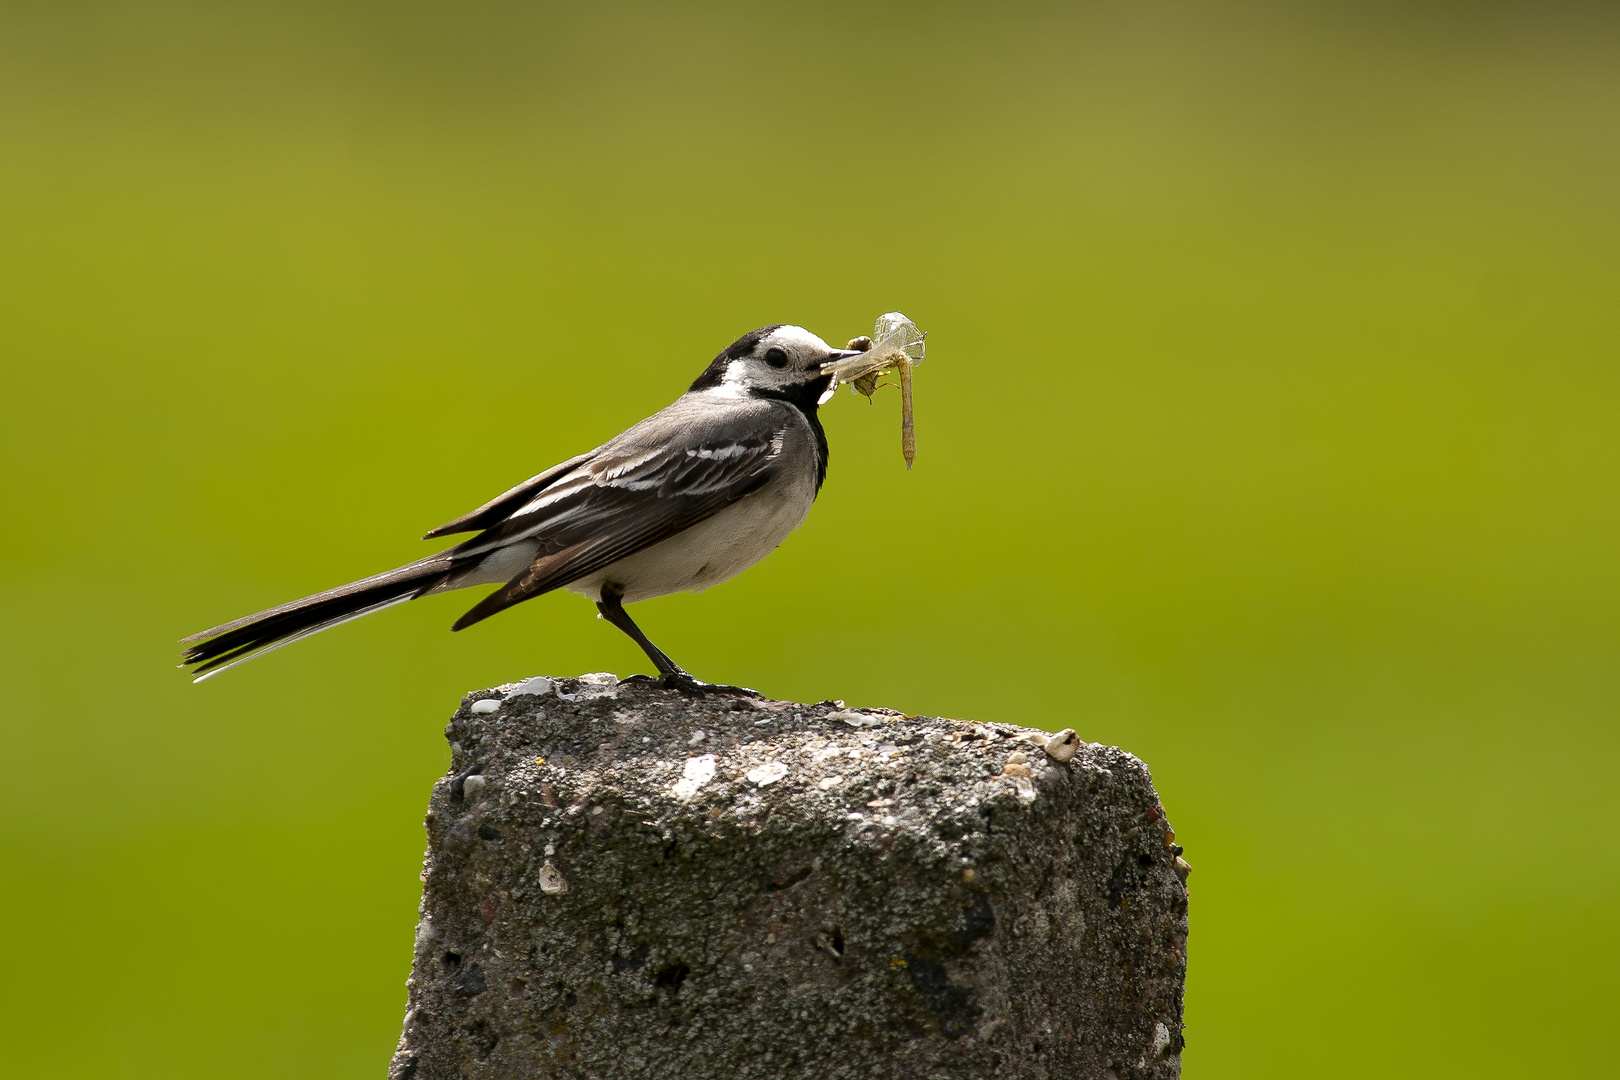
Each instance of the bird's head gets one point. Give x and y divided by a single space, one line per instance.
773 361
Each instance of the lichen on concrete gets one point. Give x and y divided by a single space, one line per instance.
623 882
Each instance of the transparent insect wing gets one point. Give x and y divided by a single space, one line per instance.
853 367
896 333
896 339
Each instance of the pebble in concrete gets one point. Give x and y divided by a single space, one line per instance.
769 773
697 772
1063 745
550 879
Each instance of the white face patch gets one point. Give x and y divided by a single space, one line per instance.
805 352
735 382
796 339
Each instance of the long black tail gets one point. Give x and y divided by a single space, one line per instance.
237 642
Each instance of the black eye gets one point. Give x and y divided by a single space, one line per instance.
776 358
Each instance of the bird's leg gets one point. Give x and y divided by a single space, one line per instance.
672 675
613 611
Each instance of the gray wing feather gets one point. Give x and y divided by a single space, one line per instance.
644 487
503 504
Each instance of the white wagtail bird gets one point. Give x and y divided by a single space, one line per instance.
689 497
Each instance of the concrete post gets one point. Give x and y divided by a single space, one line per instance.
622 882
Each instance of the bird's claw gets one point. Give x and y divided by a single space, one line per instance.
642 680
683 683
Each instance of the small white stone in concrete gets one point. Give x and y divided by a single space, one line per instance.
768 773
595 810
697 737
698 771
597 684
552 883
485 707
551 849
1161 1039
537 685
831 782
472 787
855 719
1062 746
1017 757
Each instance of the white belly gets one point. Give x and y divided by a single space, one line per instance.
711 551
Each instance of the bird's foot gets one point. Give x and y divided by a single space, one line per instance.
691 687
642 680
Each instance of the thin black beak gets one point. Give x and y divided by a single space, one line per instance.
840 354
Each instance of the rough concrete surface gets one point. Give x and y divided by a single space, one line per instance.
623 882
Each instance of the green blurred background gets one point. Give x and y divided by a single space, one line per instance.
1269 431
